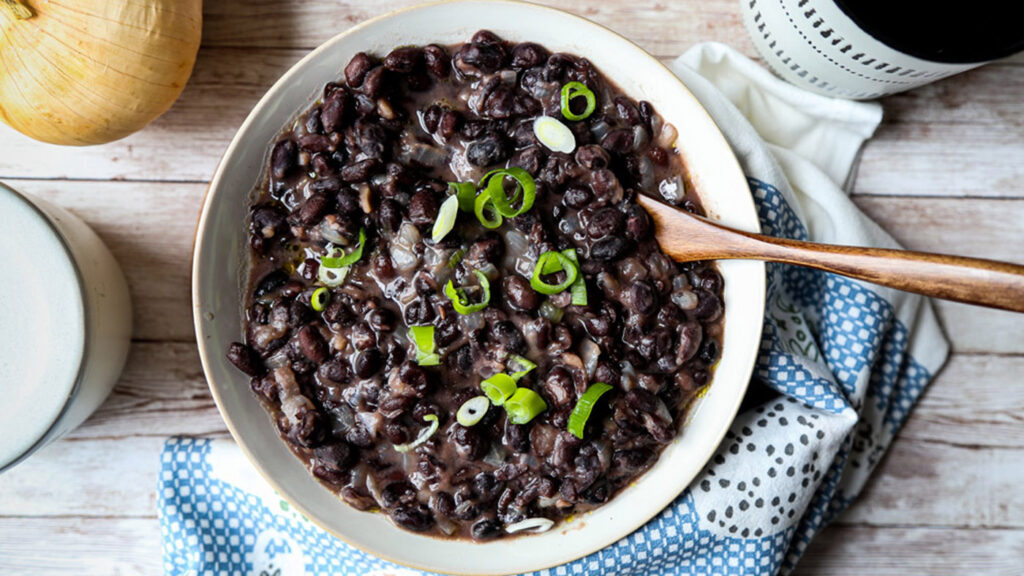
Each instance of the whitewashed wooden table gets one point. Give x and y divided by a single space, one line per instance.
944 173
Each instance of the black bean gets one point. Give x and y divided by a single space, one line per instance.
606 373
313 345
314 143
304 430
447 331
413 380
371 138
641 298
436 60
555 67
528 55
245 359
490 150
375 82
577 197
618 141
638 224
485 37
658 155
520 294
709 279
360 171
641 401
362 337
335 371
268 222
517 437
419 312
610 248
592 157
338 312
469 444
355 71
367 363
443 504
606 186
451 122
431 118
397 493
283 159
709 351
423 208
709 306
338 457
486 58
389 215
334 114
690 337
270 283
415 518
605 222
526 105
486 529
488 248
393 407
627 111
598 493
312 210
404 60
506 335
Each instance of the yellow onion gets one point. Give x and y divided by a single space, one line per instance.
92 71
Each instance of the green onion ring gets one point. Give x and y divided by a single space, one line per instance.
576 90
446 217
458 295
426 349
524 363
425 434
332 277
584 406
466 193
524 406
549 263
484 204
472 411
321 296
348 259
525 187
498 388
579 287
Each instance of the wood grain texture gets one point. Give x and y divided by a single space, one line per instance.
80 546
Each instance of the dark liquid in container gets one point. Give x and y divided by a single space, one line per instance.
948 32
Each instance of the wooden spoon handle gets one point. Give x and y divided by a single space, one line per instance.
970 280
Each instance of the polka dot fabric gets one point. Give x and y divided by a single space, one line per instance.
840 366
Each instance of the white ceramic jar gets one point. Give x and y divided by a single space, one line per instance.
815 45
65 323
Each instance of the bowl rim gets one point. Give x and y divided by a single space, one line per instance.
215 186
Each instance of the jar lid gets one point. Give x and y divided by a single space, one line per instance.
42 325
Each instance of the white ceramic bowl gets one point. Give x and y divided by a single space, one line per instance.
65 318
221 252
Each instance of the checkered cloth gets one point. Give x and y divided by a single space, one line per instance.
841 365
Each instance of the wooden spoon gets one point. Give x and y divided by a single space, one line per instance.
686 237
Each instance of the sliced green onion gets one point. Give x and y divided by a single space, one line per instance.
553 134
481 206
426 349
446 216
524 365
347 259
461 302
456 258
472 411
526 190
551 312
332 277
466 193
577 90
321 296
498 388
579 287
425 434
549 263
524 406
533 525
584 406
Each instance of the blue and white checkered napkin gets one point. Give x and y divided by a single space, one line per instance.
841 365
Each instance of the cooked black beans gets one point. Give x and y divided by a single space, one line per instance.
339 372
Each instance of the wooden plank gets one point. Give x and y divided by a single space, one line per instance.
982 228
664 28
80 546
859 550
162 392
149 228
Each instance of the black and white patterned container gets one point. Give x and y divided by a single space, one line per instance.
815 45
